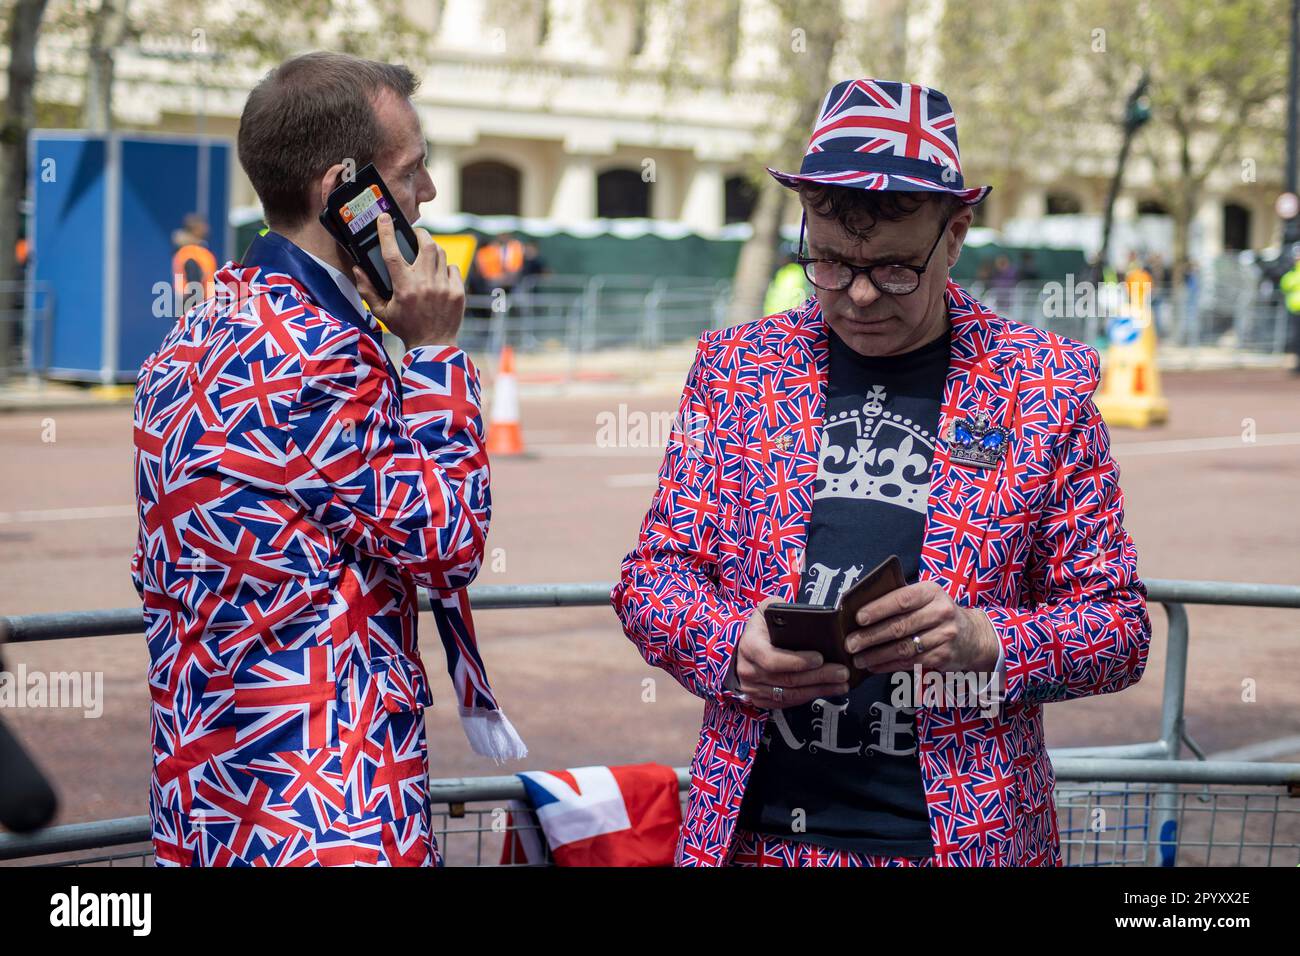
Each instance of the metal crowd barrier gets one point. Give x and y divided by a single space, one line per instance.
584 314
1130 804
27 323
1239 317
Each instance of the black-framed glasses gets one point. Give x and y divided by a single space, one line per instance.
893 278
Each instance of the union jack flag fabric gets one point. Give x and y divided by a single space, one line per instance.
1037 542
293 493
607 816
885 135
763 849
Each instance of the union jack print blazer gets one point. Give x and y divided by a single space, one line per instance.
1037 542
293 494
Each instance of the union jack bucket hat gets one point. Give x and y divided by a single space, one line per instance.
885 135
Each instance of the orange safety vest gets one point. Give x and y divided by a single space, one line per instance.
495 261
202 257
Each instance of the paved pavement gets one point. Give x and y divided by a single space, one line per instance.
1201 501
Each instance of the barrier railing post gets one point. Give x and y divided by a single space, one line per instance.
1281 324
721 301
652 332
1171 729
591 312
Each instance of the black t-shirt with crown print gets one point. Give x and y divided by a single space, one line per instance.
849 763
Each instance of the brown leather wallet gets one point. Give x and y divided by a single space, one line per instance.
810 627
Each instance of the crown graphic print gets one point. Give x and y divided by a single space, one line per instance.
872 454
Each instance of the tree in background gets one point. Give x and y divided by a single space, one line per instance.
812 33
188 31
1006 68
24 28
1048 80
821 43
109 27
701 42
1218 94
207 35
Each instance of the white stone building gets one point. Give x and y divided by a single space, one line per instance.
572 110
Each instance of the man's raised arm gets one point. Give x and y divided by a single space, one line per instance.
404 484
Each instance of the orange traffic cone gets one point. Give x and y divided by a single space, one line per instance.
505 437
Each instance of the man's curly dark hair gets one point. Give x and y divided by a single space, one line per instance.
858 210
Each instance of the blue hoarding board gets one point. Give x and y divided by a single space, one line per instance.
104 212
160 183
67 242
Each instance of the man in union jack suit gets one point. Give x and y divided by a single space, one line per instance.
890 414
294 492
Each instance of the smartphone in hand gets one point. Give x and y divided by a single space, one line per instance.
351 216
811 627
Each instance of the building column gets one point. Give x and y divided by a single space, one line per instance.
575 194
1205 231
444 168
536 179
1031 203
705 205
1126 207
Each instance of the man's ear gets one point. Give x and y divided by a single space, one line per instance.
957 229
329 182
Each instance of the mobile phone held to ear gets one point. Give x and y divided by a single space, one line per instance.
351 216
810 627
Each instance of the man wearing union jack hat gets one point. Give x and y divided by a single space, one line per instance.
889 414
295 491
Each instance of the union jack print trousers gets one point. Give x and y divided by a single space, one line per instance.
761 849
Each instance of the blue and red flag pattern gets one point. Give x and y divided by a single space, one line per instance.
606 816
885 135
292 498
1037 542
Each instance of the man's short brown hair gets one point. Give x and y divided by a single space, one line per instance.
304 116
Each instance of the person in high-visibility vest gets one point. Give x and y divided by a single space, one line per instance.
500 262
1138 285
1290 286
193 264
788 289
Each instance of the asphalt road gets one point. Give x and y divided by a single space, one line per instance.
1201 503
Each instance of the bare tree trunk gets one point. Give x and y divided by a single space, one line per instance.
1180 324
24 29
757 259
814 31
106 35
1189 194
893 58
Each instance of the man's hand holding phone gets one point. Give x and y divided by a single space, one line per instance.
773 678
922 624
428 302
